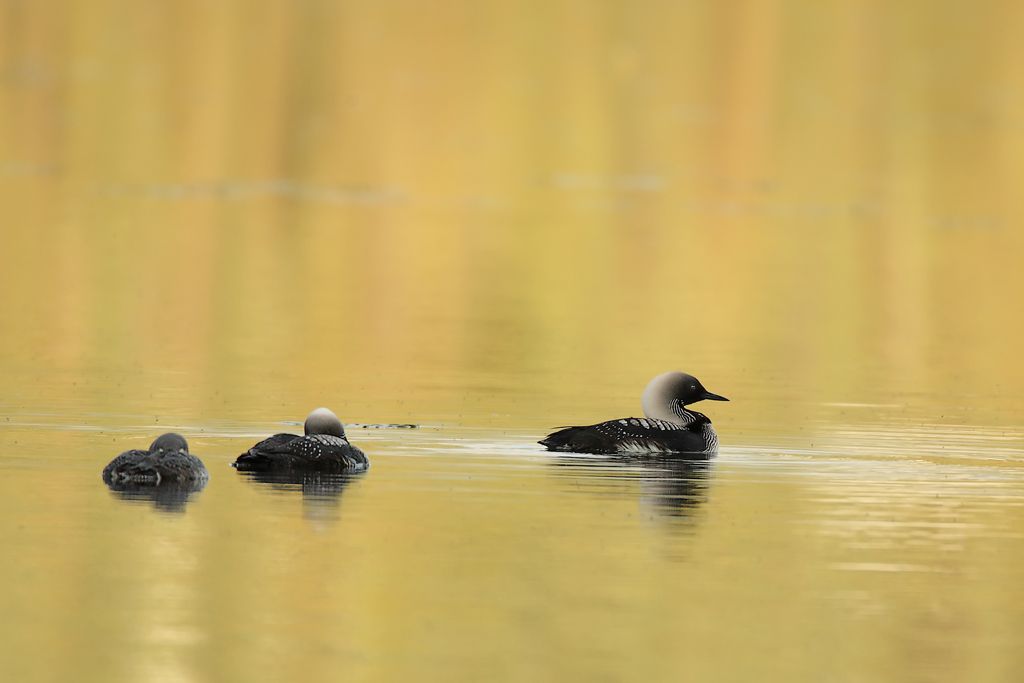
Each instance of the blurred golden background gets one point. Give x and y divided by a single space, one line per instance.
387 197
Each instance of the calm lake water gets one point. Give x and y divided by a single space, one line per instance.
489 220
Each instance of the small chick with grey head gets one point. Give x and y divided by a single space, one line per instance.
167 461
669 426
322 448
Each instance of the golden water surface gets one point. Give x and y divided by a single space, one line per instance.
489 219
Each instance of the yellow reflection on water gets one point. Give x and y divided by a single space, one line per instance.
492 219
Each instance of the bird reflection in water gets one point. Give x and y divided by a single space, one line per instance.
166 497
321 491
674 485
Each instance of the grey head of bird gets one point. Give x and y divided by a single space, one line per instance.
323 421
671 389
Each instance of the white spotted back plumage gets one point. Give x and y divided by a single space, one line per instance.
647 435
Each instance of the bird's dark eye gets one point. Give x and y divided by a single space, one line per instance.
693 386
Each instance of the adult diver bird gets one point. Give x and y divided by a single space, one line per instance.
323 447
669 426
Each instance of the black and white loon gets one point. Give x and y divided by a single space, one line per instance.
669 427
323 448
166 462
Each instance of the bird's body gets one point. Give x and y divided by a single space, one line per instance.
323 448
636 435
669 426
167 461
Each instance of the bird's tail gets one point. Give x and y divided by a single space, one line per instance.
575 439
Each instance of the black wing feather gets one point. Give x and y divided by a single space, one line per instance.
127 459
266 452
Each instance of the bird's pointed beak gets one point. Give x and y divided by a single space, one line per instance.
708 396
